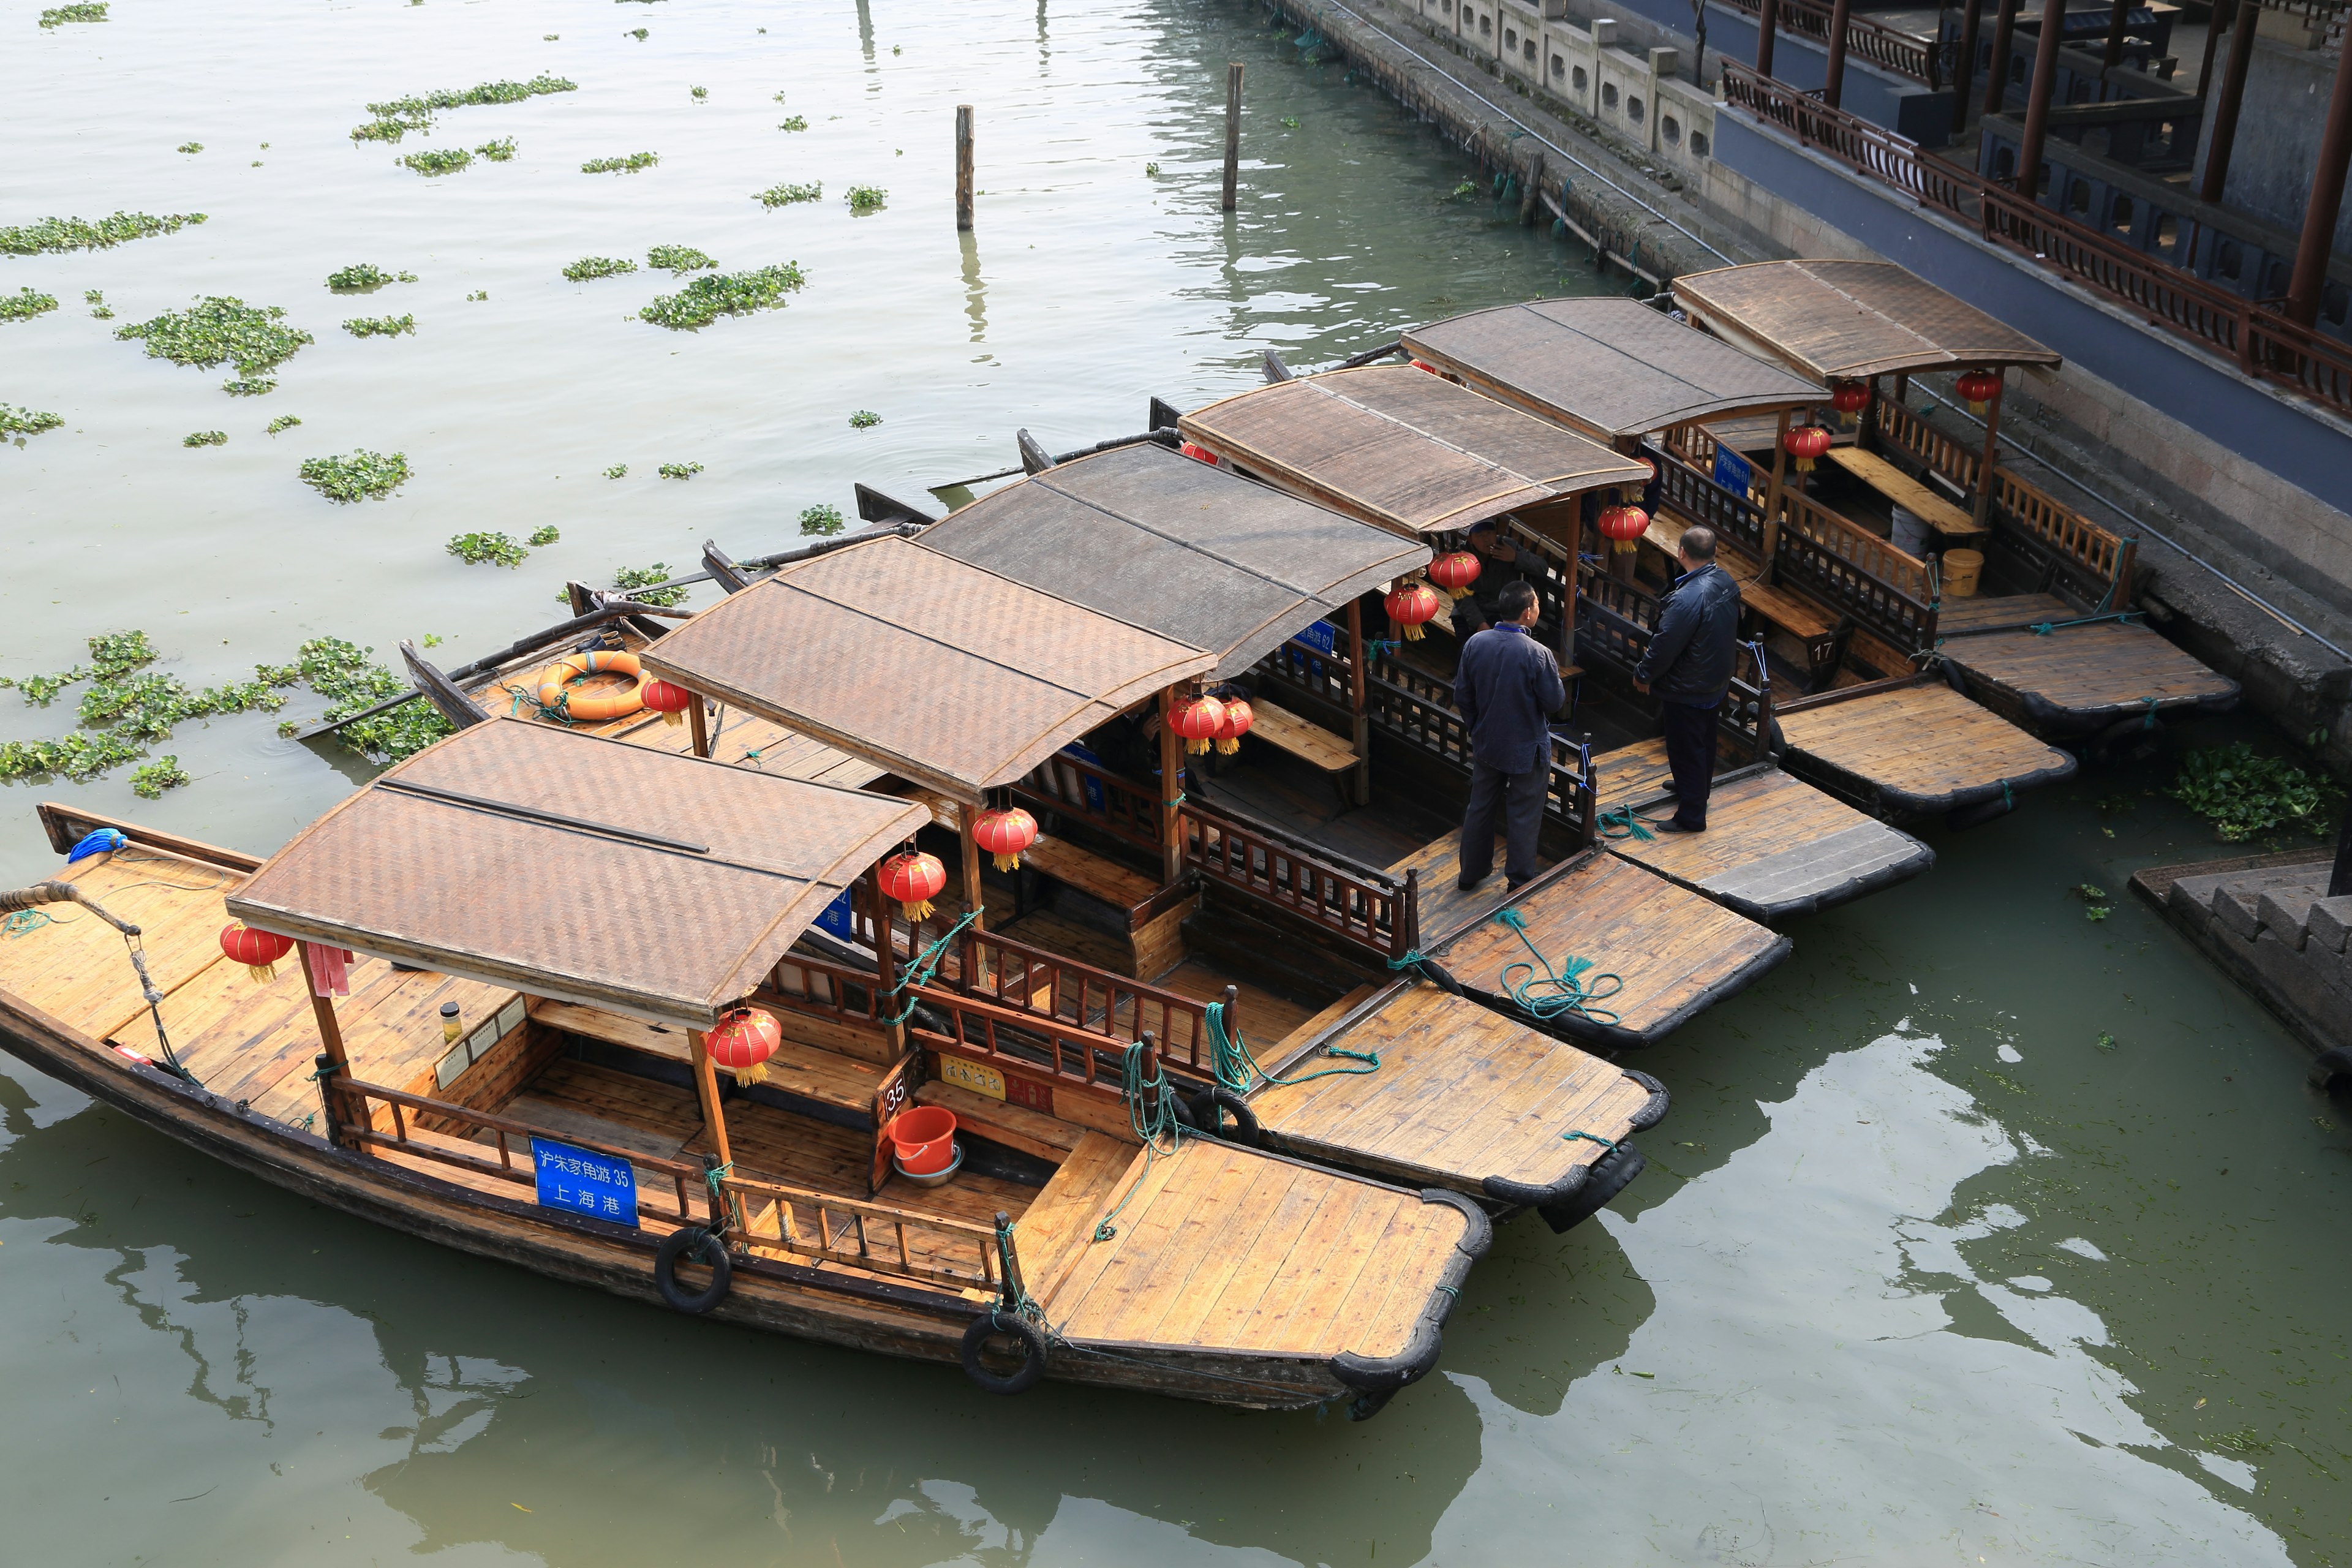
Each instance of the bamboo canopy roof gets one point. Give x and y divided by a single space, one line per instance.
1613 368
570 866
1840 320
944 673
1403 449
1188 550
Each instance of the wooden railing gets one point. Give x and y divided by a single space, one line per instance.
354 1121
2260 341
1362 907
1856 573
1083 790
1919 58
1410 705
1082 999
873 1237
1309 672
825 990
1024 1038
1687 486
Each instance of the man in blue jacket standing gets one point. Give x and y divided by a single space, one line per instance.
1507 685
1689 665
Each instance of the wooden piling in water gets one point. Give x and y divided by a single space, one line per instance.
963 165
1530 186
1233 134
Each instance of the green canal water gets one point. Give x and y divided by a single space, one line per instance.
1981 1231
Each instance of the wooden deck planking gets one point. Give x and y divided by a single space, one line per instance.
1262 1016
1061 1220
1925 741
76 968
1226 1320
1228 1215
1975 610
1445 906
1222 1257
2110 667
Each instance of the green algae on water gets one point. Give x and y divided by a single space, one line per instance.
149 782
705 300
823 519
488 550
866 198
396 117
628 166
25 304
283 422
785 196
679 470
379 326
438 161
205 439
551 534
357 475
675 259
219 328
60 16
589 266
16 421
58 233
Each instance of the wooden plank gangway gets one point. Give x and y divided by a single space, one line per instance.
2033 659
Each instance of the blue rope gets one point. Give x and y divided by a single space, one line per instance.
1238 1070
1552 993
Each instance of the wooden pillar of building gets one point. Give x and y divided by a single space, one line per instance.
2118 20
974 896
1359 710
2233 96
1841 23
2309 281
2004 36
1965 77
1773 490
1233 136
697 713
1171 793
1983 504
1768 30
2037 100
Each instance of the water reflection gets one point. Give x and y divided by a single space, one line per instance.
975 296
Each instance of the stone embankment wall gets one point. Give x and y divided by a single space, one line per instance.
2273 931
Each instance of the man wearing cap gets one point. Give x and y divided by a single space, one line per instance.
1507 684
1689 664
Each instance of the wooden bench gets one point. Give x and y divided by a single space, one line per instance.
1302 738
1909 493
1152 913
809 1072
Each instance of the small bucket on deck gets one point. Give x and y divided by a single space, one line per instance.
924 1139
1961 569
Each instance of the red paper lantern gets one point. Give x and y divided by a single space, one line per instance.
1807 442
743 1041
1622 525
1004 834
258 951
1455 573
1238 719
1198 720
1979 387
1849 398
1411 605
670 701
914 879
1198 453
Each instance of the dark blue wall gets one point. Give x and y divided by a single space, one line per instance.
1898 103
2171 374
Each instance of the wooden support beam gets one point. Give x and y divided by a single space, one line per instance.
1840 24
1233 136
706 1086
1773 490
2234 97
2005 35
1359 710
1767 31
972 895
2327 204
332 1065
886 959
2039 93
1171 790
2118 19
1983 504
697 714
1963 79
1572 526
963 165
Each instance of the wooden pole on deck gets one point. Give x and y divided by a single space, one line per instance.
1983 507
1772 498
1171 788
1358 709
1232 136
332 1065
697 713
706 1086
963 165
1565 656
973 893
885 960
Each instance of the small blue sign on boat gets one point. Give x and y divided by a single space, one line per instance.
1732 472
1092 788
1322 636
836 918
578 1180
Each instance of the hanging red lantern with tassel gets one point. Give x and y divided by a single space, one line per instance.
258 951
666 699
1849 398
914 879
1807 442
1198 720
1455 572
1622 525
1413 605
1004 834
1237 720
1979 387
743 1041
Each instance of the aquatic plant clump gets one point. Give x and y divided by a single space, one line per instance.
351 681
205 439
249 386
705 300
77 756
679 470
551 534
149 782
499 151
589 266
677 258
191 147
797 123
60 16
628 166
122 710
396 117
439 160
785 196
822 519
357 475
617 471
379 326
219 328
699 92
283 422
866 198
25 304
2243 793
57 234
865 419
365 275
488 550
640 583
16 421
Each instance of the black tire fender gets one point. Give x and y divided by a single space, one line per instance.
2331 1070
1654 1110
1003 1324
705 1245
1210 1108
1982 812
1611 1174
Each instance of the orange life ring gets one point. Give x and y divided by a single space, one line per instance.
556 696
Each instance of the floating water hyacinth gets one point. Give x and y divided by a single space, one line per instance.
61 15
866 198
379 326
637 33
797 123
16 421
677 258
249 386
548 535
25 304
149 782
96 300
865 419
352 682
821 519
365 275
640 584
488 550
190 147
57 234
589 266
205 439
705 300
628 166
477 295
785 196
396 117
439 160
699 92
219 328
499 151
1290 121
358 475
679 470
283 422
617 471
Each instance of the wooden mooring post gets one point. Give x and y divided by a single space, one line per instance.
963 166
1233 134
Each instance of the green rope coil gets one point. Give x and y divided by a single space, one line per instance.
1607 1144
25 922
1151 1112
1625 823
1554 991
1238 1070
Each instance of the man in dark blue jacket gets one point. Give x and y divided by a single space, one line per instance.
1689 666
1505 687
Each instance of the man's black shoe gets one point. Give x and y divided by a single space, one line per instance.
1468 884
1678 827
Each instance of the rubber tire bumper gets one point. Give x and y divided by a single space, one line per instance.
988 1326
1209 1108
2331 1070
705 1245
1612 1174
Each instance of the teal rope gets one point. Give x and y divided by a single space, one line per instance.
1150 1125
1553 993
2043 628
1238 1070
1623 822
1590 1137
919 972
2115 577
1017 1298
25 922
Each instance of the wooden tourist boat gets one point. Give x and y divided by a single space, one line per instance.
494 997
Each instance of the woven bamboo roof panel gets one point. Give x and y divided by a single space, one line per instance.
1612 368
949 675
1403 449
1837 321
570 866
1191 551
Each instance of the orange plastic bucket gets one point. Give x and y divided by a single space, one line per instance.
925 1139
